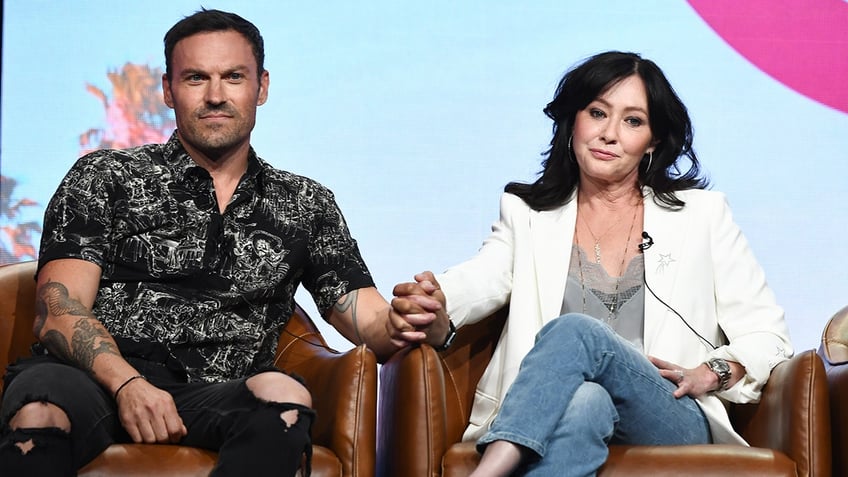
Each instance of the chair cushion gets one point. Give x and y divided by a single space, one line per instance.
144 460
658 461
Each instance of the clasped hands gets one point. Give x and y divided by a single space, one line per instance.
418 312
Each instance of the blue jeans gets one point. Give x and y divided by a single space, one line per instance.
583 387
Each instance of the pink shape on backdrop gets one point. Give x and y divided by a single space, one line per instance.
801 43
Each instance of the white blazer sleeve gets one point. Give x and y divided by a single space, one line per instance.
746 308
479 286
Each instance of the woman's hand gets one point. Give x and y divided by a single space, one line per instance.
422 304
694 382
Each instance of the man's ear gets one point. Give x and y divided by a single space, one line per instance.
166 91
264 81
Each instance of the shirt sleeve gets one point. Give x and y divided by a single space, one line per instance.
78 218
335 265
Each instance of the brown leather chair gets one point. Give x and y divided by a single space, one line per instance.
425 402
834 352
343 386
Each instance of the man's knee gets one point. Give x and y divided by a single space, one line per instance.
44 451
40 414
278 387
273 438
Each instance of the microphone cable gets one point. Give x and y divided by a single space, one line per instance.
642 248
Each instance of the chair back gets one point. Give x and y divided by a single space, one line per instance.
834 352
834 341
17 311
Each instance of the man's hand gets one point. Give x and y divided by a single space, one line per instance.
421 304
149 414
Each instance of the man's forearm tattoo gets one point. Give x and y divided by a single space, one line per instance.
348 302
53 299
89 339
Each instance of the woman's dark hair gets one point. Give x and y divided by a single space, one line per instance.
669 121
210 21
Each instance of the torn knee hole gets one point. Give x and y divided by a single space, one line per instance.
289 417
34 441
25 446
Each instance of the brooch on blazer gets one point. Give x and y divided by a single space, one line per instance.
664 261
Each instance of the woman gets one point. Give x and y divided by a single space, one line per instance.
635 304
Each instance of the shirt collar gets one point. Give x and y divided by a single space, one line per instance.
185 169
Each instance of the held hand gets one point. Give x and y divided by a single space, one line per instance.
421 305
149 414
694 382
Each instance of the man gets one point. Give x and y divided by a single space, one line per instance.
166 274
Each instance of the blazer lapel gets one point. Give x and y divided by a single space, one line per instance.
667 229
552 233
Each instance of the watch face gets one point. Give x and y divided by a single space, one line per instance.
722 369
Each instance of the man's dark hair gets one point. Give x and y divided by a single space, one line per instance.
211 21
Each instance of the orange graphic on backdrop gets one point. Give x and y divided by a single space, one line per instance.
135 115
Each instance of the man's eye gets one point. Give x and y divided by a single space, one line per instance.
236 76
195 78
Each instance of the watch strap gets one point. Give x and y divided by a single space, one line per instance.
449 339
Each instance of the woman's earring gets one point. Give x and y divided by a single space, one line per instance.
650 160
571 152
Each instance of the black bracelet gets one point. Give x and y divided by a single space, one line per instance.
129 380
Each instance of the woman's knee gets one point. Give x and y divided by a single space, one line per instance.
40 414
274 386
571 324
593 410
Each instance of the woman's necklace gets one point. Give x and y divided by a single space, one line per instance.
596 238
613 308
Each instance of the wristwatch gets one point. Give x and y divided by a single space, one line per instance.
722 370
449 339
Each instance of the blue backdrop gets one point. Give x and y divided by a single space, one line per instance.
417 113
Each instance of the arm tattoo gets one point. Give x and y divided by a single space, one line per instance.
348 302
89 340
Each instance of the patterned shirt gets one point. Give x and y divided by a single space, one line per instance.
214 289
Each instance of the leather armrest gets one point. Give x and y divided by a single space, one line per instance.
426 398
411 438
793 415
344 393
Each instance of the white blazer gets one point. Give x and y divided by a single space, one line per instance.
700 264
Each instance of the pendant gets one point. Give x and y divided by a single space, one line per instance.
597 252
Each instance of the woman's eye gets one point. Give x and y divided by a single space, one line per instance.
596 113
634 122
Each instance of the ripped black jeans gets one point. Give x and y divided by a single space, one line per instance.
250 436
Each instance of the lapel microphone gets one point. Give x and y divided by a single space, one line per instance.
647 241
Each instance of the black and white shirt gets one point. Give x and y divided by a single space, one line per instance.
214 289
